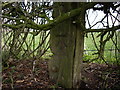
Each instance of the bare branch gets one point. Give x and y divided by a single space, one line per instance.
100 30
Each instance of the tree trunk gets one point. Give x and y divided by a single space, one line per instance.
67 45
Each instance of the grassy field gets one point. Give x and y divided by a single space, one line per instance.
89 46
109 52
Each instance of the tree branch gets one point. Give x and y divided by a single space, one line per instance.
31 24
100 30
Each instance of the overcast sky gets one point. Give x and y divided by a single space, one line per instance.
95 16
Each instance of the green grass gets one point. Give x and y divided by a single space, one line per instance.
31 44
89 45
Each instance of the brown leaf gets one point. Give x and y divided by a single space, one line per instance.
20 81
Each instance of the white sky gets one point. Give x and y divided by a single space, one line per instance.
95 16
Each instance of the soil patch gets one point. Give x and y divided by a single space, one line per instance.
94 76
